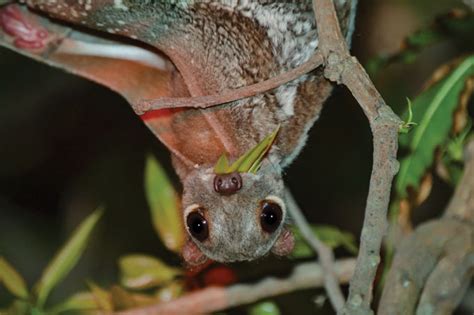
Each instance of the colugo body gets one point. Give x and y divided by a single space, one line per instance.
151 49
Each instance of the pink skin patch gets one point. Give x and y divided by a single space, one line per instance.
192 254
284 244
26 34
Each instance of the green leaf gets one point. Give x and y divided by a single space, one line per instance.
18 307
102 298
164 205
408 124
331 236
265 308
12 280
250 162
455 24
122 299
423 38
433 110
66 258
79 302
222 165
171 291
455 147
142 272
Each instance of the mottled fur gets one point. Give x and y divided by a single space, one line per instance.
216 46
238 224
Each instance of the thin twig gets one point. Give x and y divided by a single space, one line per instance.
304 276
342 68
232 95
325 254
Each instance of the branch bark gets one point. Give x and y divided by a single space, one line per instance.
212 299
342 68
433 266
461 205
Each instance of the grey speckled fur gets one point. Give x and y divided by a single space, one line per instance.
235 232
225 45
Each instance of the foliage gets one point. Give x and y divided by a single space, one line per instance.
12 280
331 236
264 308
442 126
33 302
408 124
437 141
143 272
164 204
433 136
454 24
430 110
251 161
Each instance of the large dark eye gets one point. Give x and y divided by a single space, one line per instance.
270 217
197 226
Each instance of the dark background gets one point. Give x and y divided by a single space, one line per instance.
68 145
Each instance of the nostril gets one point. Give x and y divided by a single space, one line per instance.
227 184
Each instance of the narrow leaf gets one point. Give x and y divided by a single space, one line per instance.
455 24
222 165
102 298
265 308
122 299
331 236
408 124
12 280
164 206
455 147
18 307
77 303
256 165
433 110
142 271
66 258
251 160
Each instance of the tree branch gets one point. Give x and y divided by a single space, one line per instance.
447 284
433 266
344 69
416 258
325 254
212 299
461 205
232 95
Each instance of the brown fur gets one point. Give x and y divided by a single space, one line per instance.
215 47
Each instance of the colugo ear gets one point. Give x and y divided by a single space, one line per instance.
192 255
284 244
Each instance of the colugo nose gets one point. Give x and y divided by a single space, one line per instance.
227 184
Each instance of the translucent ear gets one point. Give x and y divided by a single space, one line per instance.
192 255
284 244
134 70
